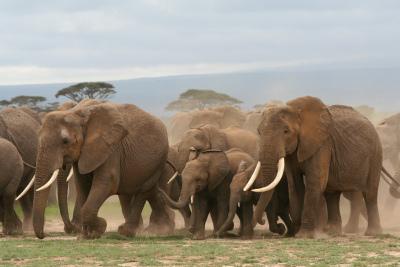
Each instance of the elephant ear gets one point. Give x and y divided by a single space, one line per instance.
314 126
216 137
218 169
105 130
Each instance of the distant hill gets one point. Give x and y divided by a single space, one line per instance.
379 88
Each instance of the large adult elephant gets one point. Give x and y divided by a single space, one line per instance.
112 150
20 126
335 148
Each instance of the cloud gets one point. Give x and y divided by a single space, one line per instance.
144 34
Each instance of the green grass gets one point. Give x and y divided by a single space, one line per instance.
112 250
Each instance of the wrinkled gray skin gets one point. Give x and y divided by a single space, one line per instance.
210 137
220 117
11 169
389 133
206 177
20 126
111 148
335 148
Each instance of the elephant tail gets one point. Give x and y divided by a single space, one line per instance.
386 174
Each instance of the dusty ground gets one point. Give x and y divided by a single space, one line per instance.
58 249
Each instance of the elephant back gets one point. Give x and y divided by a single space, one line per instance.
21 129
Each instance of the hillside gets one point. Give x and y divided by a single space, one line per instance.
375 87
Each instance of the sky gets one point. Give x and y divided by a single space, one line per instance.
51 41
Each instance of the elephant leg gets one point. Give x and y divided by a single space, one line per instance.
356 203
247 219
94 226
374 225
11 223
272 216
186 213
334 225
82 186
202 208
134 220
162 218
26 206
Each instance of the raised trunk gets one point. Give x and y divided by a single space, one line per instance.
268 171
62 194
233 203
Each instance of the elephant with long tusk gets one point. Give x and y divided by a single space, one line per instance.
334 148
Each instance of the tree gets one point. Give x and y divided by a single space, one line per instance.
200 99
93 90
33 102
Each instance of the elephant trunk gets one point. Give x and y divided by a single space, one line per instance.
268 171
46 164
233 203
40 201
62 195
181 203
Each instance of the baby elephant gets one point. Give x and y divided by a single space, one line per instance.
11 169
242 202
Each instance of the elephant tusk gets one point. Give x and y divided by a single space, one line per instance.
253 177
191 199
26 189
48 184
71 173
275 182
172 178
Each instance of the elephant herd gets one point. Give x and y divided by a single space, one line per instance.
291 162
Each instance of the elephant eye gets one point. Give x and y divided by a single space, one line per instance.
286 131
65 141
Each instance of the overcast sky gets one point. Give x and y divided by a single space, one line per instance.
66 41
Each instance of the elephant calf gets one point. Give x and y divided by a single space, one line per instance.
11 169
243 165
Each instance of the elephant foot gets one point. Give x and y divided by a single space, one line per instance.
290 232
127 229
94 230
351 229
160 229
199 236
14 228
278 229
373 231
333 229
72 228
305 233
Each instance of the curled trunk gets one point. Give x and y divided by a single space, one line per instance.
181 203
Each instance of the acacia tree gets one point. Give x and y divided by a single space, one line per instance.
34 102
200 99
93 90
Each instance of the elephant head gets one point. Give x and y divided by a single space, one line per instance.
84 136
205 172
297 129
200 139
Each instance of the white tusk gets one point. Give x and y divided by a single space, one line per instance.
253 177
275 182
48 184
26 189
172 178
191 199
71 173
